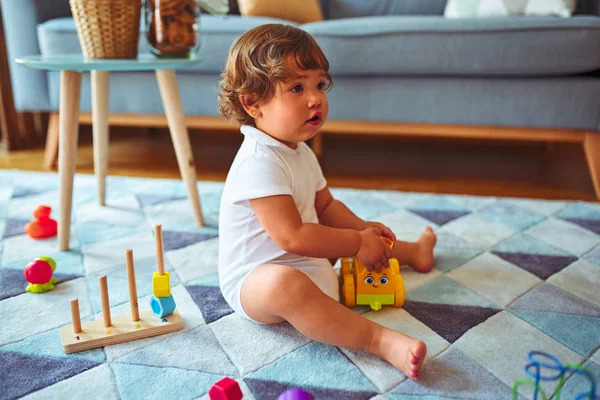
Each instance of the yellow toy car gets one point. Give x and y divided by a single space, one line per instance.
363 287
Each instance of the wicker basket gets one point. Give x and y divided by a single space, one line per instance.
108 28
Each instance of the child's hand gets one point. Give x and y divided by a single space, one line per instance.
385 231
374 253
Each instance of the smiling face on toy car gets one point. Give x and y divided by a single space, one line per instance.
372 282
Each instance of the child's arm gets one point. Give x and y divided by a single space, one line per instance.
281 219
334 213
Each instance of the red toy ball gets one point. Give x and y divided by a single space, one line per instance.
38 272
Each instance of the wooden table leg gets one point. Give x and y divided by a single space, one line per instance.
169 91
591 146
51 142
100 80
70 91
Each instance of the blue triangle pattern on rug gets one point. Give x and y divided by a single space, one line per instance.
580 384
141 382
450 321
580 210
45 344
447 260
210 301
444 290
22 374
364 203
316 365
174 352
577 332
271 390
153 199
452 251
523 243
177 240
454 374
99 231
436 202
513 216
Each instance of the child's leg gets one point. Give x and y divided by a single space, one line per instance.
273 293
419 254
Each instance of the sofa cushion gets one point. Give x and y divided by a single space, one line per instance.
486 8
428 45
59 36
335 9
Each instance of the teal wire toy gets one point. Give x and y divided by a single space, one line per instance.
557 372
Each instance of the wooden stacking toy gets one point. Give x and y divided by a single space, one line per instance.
139 325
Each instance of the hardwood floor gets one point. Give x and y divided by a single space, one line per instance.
533 170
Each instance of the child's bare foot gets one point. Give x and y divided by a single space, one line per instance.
403 352
423 258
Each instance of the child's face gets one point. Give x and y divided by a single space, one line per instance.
297 110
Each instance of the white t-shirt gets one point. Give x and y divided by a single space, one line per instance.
265 167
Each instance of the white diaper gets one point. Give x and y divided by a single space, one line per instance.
319 270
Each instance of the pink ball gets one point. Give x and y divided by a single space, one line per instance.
38 271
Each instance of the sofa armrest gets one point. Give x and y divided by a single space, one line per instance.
21 17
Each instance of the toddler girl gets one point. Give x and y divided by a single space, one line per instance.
279 223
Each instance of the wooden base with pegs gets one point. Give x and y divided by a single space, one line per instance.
94 334
123 328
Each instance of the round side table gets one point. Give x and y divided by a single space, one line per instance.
71 66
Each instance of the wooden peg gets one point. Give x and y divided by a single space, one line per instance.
75 318
160 259
104 300
133 299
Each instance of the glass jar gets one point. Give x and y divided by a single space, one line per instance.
172 27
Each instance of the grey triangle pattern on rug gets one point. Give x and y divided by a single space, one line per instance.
543 266
12 281
547 297
590 224
210 301
439 217
14 227
449 321
480 311
21 191
21 373
177 240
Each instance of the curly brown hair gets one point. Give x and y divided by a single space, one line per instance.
256 64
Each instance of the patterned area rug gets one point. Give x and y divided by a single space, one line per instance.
511 276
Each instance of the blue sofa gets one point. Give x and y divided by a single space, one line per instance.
398 66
